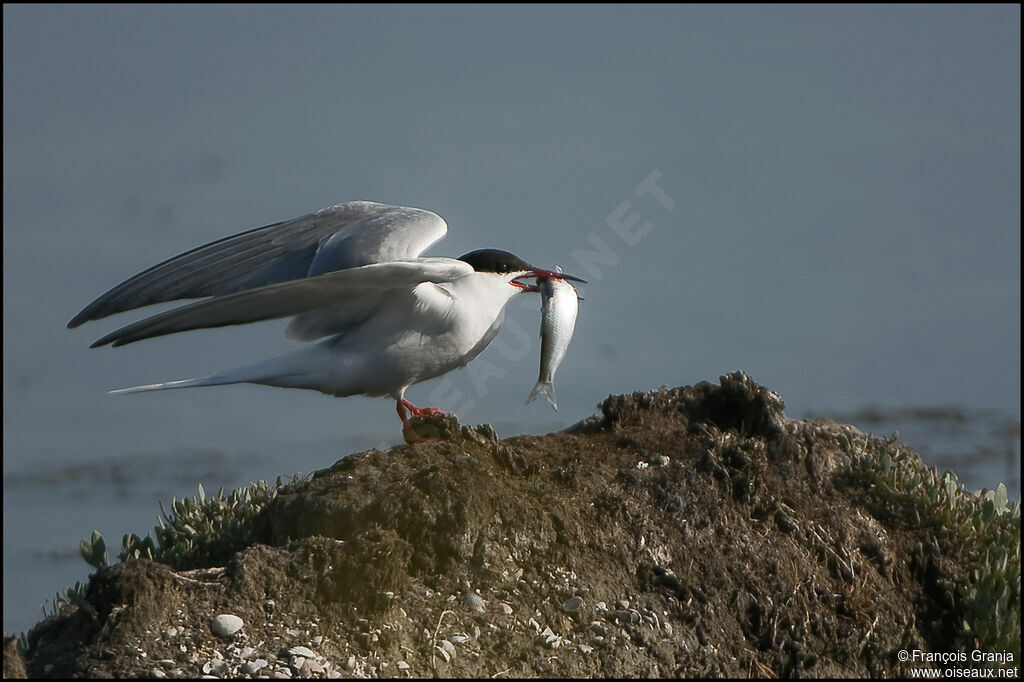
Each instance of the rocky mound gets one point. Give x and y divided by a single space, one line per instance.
693 531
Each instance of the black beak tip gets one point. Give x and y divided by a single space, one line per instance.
541 273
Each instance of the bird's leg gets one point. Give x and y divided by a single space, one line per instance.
408 432
422 411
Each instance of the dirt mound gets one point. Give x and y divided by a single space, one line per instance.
693 531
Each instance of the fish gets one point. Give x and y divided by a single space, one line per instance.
559 306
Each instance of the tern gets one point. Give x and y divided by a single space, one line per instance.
351 276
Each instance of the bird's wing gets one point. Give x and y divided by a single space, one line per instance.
346 235
333 319
361 288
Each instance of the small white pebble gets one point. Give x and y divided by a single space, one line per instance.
216 667
226 625
252 667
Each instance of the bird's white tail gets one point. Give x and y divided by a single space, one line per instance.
289 370
548 389
213 380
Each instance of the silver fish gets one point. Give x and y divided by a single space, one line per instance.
558 320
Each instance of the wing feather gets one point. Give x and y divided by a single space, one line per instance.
346 235
361 287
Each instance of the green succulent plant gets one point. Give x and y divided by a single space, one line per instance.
199 531
94 550
983 529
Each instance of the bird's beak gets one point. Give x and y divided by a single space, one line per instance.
552 274
540 274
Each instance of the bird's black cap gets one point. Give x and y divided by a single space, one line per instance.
495 260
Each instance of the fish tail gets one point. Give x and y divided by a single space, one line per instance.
548 388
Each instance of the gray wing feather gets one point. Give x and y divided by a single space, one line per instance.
334 319
346 235
362 287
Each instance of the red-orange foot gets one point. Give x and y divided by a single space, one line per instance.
422 411
408 432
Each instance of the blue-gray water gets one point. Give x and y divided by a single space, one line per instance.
825 197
